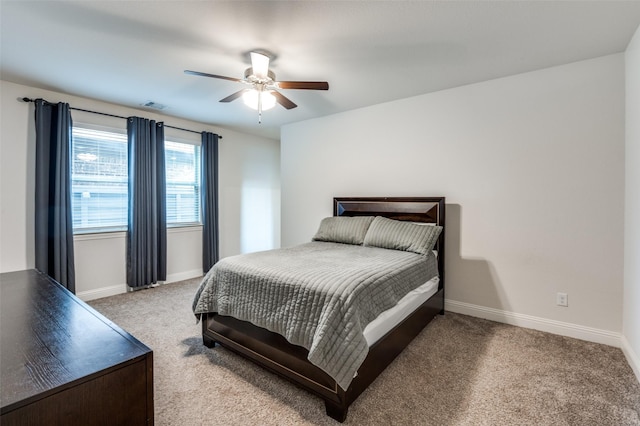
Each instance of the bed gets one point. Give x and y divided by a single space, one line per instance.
335 361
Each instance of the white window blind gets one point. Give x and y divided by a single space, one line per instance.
99 180
183 183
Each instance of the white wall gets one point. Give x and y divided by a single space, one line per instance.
532 166
249 190
631 312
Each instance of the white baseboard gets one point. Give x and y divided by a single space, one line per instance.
102 292
186 275
632 356
542 324
122 288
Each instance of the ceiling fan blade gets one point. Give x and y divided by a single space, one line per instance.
309 85
260 65
233 96
283 100
204 74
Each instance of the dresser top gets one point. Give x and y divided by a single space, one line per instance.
50 339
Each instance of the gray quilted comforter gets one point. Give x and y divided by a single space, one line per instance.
318 295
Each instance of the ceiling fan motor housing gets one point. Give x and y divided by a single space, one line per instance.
251 77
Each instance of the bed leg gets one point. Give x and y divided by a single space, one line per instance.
336 411
208 342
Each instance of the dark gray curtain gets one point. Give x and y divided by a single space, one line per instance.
53 223
209 202
147 225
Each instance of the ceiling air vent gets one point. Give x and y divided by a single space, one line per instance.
153 105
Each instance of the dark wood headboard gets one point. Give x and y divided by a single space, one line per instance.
413 209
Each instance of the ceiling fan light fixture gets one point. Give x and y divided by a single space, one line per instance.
253 98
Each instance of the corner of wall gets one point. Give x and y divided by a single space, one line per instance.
631 292
631 355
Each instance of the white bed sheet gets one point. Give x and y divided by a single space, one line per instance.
392 317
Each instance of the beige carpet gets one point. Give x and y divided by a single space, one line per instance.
459 371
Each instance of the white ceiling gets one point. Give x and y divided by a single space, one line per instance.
131 52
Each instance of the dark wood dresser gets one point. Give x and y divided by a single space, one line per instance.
63 363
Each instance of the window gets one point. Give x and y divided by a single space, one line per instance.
99 183
183 182
99 176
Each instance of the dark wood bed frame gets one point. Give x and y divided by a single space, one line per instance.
275 353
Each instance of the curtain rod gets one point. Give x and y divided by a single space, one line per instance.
25 99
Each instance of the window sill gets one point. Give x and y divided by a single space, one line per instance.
122 233
99 235
192 227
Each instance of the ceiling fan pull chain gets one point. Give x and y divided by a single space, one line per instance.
260 107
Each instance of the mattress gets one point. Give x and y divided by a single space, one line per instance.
388 319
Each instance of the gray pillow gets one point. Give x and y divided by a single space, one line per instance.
399 235
343 229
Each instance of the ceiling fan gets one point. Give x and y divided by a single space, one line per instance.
262 93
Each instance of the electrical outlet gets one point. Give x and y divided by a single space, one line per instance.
562 299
